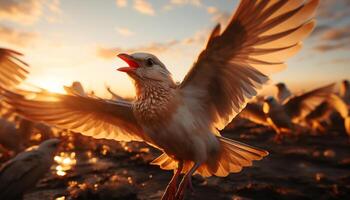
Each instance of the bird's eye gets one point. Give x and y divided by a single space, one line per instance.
149 62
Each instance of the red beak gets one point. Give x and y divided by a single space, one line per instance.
133 65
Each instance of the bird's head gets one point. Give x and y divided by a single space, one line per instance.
346 83
146 67
50 146
281 85
270 100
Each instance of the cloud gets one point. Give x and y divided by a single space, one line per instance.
177 3
219 16
336 34
333 33
144 7
28 12
18 38
320 29
198 38
341 61
124 32
186 2
155 48
24 12
334 39
333 47
121 3
54 6
212 9
333 10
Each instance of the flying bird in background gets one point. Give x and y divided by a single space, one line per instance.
283 93
322 112
21 173
345 91
283 117
75 89
183 120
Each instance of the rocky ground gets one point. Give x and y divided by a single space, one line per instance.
310 167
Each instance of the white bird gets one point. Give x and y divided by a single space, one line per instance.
323 113
345 91
183 120
283 117
21 173
75 89
283 93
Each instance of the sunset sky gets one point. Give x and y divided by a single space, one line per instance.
65 40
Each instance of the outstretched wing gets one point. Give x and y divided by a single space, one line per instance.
299 107
75 89
94 117
12 70
283 93
257 41
339 105
254 112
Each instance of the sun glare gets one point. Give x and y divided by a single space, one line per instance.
51 84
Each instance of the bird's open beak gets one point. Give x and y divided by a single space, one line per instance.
133 65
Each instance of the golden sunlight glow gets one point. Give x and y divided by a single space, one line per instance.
52 84
65 162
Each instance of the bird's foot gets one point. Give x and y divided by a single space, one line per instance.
191 185
170 192
180 194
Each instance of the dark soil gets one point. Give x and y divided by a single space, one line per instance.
310 167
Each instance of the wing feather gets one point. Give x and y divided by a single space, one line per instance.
254 112
300 106
94 117
258 40
12 70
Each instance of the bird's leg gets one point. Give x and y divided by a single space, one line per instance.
278 136
186 180
170 191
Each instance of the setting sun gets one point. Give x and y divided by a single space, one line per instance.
52 84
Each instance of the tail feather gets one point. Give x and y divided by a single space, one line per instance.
236 155
232 158
165 162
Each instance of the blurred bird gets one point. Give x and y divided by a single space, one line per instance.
283 93
281 117
323 111
10 137
345 91
28 128
21 173
75 89
183 120
322 114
